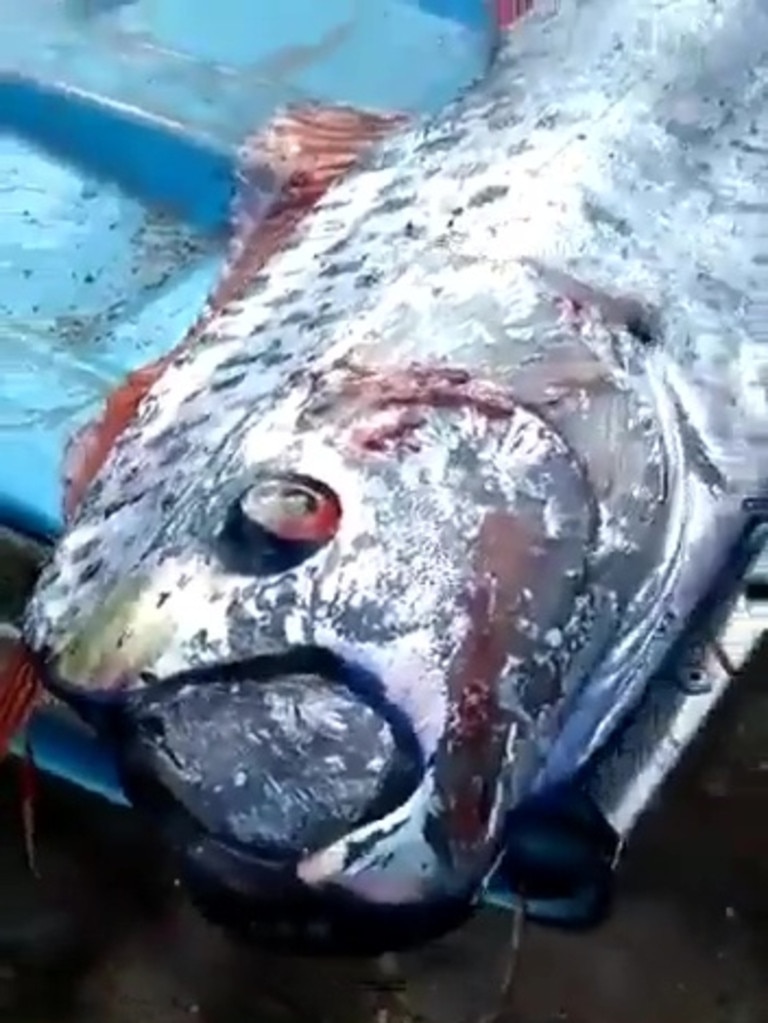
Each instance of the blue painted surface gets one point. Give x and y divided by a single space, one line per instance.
473 13
159 162
60 746
93 280
225 69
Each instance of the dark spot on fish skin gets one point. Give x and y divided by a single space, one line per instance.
689 134
599 214
518 146
367 280
164 597
718 292
324 320
297 318
228 383
166 436
749 148
243 360
287 298
503 118
196 421
637 318
642 326
258 284
338 247
439 143
341 269
168 502
365 621
394 205
193 396
176 449
274 355
325 316
147 412
85 551
89 572
416 233
488 195
95 490
124 502
455 214
334 204
548 121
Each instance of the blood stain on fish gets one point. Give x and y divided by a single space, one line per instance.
410 393
504 562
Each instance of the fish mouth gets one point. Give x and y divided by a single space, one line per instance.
281 753
248 767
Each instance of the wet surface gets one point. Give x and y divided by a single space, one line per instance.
688 941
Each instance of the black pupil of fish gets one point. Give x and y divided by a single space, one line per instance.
272 504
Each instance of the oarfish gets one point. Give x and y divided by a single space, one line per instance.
393 545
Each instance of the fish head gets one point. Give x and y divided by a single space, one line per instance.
303 626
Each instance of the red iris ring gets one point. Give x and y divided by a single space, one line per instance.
318 523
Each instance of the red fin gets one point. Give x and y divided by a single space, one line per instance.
308 149
19 691
90 446
503 566
510 11
305 151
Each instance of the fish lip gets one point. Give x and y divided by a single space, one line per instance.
155 763
259 899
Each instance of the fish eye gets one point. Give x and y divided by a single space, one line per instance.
279 520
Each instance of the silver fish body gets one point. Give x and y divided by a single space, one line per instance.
522 347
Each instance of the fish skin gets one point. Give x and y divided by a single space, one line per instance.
610 143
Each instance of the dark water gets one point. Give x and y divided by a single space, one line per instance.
688 943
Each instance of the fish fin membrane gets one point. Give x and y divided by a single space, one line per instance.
285 169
